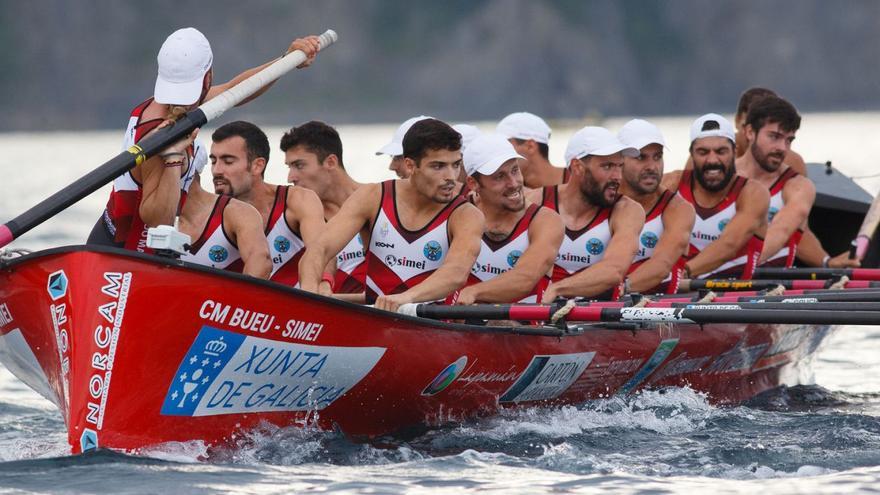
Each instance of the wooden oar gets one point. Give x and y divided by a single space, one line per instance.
715 313
152 144
731 285
818 273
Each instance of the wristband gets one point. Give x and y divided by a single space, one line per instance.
326 277
825 261
174 164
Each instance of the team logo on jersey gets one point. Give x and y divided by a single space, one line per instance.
384 230
282 244
513 257
649 239
595 246
360 241
218 254
772 213
433 251
723 224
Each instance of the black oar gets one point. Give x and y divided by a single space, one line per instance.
151 145
716 313
800 306
818 273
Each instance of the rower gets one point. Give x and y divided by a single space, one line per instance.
769 130
292 216
520 242
151 194
313 155
601 226
226 233
669 219
731 210
394 148
422 237
530 137
792 158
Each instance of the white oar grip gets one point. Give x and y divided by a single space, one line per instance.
408 309
235 95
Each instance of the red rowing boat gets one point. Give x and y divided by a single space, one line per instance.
137 350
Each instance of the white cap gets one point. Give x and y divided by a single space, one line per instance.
395 146
487 153
468 133
597 141
723 129
639 133
184 59
524 125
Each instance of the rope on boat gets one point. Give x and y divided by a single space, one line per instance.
643 302
709 297
563 311
776 291
840 284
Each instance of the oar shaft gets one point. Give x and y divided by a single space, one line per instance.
732 314
819 273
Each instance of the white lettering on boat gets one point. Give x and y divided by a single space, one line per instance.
680 365
741 357
255 321
547 377
5 315
302 330
226 372
490 376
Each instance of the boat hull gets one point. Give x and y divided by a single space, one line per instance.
138 350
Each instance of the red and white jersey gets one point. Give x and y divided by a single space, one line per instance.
286 246
785 256
648 239
580 248
122 217
497 257
709 224
351 268
397 258
214 248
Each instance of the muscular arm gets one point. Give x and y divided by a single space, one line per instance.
305 209
670 180
245 225
355 212
161 192
750 219
545 237
798 195
678 222
627 221
466 225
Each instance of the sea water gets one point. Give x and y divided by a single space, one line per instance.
819 437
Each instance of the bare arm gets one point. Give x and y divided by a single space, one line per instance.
627 221
794 160
355 212
545 237
466 225
245 225
305 209
811 253
678 222
308 45
161 184
798 194
750 219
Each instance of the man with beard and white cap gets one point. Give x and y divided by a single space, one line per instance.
153 192
601 226
731 219
520 242
769 130
394 148
669 219
530 137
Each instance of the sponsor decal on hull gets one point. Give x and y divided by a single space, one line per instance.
446 377
225 372
664 349
547 377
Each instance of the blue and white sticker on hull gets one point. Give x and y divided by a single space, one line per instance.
547 377
664 349
225 373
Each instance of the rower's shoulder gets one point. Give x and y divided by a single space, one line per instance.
794 160
678 205
628 206
754 191
547 217
671 179
242 212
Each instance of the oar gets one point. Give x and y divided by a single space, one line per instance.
732 285
152 144
716 313
818 273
